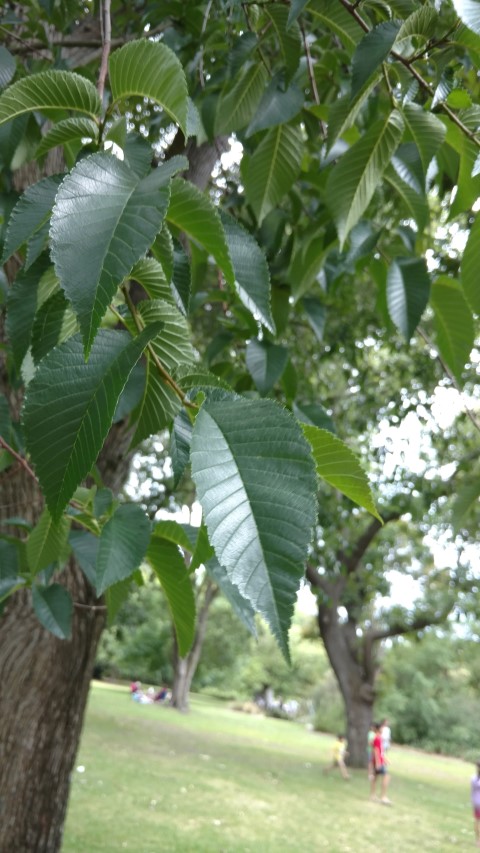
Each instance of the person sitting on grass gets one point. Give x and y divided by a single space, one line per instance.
339 755
379 768
475 796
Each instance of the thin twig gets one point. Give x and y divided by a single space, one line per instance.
204 27
89 606
23 462
106 23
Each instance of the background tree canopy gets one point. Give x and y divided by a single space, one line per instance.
277 320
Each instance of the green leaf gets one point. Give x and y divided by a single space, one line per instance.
59 90
171 571
454 323
469 12
182 278
54 323
10 578
30 214
266 363
470 267
256 483
296 9
240 605
160 403
373 49
8 66
203 552
149 273
175 532
193 212
288 35
408 290
122 546
352 183
162 249
314 414
180 445
53 607
418 27
427 131
237 107
278 106
102 204
69 408
466 497
150 70
415 204
316 315
85 549
273 168
69 130
343 112
336 18
252 277
46 543
21 308
340 468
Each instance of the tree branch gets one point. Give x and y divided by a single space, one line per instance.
106 25
352 560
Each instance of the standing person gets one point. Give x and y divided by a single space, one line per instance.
379 768
371 735
339 755
475 796
386 735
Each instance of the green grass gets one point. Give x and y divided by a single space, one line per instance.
219 781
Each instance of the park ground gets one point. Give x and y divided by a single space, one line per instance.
150 780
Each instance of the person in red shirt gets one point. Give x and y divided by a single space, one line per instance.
379 767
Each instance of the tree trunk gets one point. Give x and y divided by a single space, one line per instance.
344 652
44 687
185 668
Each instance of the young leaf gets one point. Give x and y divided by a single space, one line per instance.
168 565
102 204
61 90
470 267
53 607
373 49
352 183
252 277
160 403
454 322
69 408
46 543
408 289
266 363
338 466
255 480
237 107
69 130
273 168
122 546
150 70
193 212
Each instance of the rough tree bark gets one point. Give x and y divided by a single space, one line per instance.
185 668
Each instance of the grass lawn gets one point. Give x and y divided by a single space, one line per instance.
219 781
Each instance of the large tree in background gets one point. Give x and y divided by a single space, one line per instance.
358 126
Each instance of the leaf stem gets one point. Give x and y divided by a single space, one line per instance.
23 462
